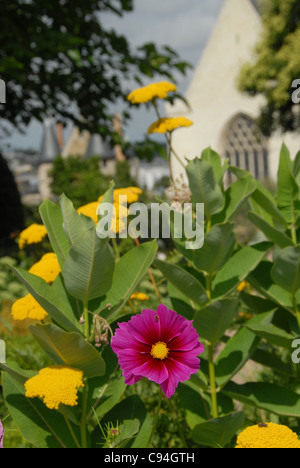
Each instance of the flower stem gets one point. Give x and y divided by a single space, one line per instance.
83 417
156 418
212 379
69 426
296 310
137 242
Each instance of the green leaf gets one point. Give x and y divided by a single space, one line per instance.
267 396
268 203
238 349
286 269
110 395
39 425
184 281
218 432
273 234
215 161
272 334
128 273
204 187
89 267
74 223
217 248
213 320
54 304
288 190
238 267
68 349
52 218
235 196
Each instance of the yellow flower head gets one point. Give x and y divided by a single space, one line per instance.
34 234
55 385
151 91
242 286
27 308
47 268
90 210
139 296
269 435
169 124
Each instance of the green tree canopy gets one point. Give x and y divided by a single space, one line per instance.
58 57
276 65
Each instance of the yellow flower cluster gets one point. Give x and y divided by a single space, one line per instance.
242 286
55 385
152 91
47 268
169 124
269 435
120 212
27 308
34 234
139 296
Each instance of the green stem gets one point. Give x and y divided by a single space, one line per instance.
69 427
212 379
83 417
86 320
116 248
296 310
294 235
155 419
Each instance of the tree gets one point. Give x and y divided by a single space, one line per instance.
57 58
276 65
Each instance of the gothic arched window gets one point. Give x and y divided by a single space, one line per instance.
245 146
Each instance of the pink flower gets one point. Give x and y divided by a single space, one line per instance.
162 346
1 435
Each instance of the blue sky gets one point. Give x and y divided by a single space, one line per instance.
184 25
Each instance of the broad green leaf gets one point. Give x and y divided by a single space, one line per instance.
235 196
271 360
54 304
286 269
204 187
196 404
217 248
262 281
111 394
184 281
218 432
273 234
180 302
89 267
268 203
215 161
69 349
52 218
288 190
213 320
42 427
272 334
267 396
238 267
238 349
74 223
128 273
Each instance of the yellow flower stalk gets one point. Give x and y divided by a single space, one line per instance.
47 268
55 385
34 234
152 91
169 124
269 435
27 308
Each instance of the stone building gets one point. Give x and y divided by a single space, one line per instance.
224 119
